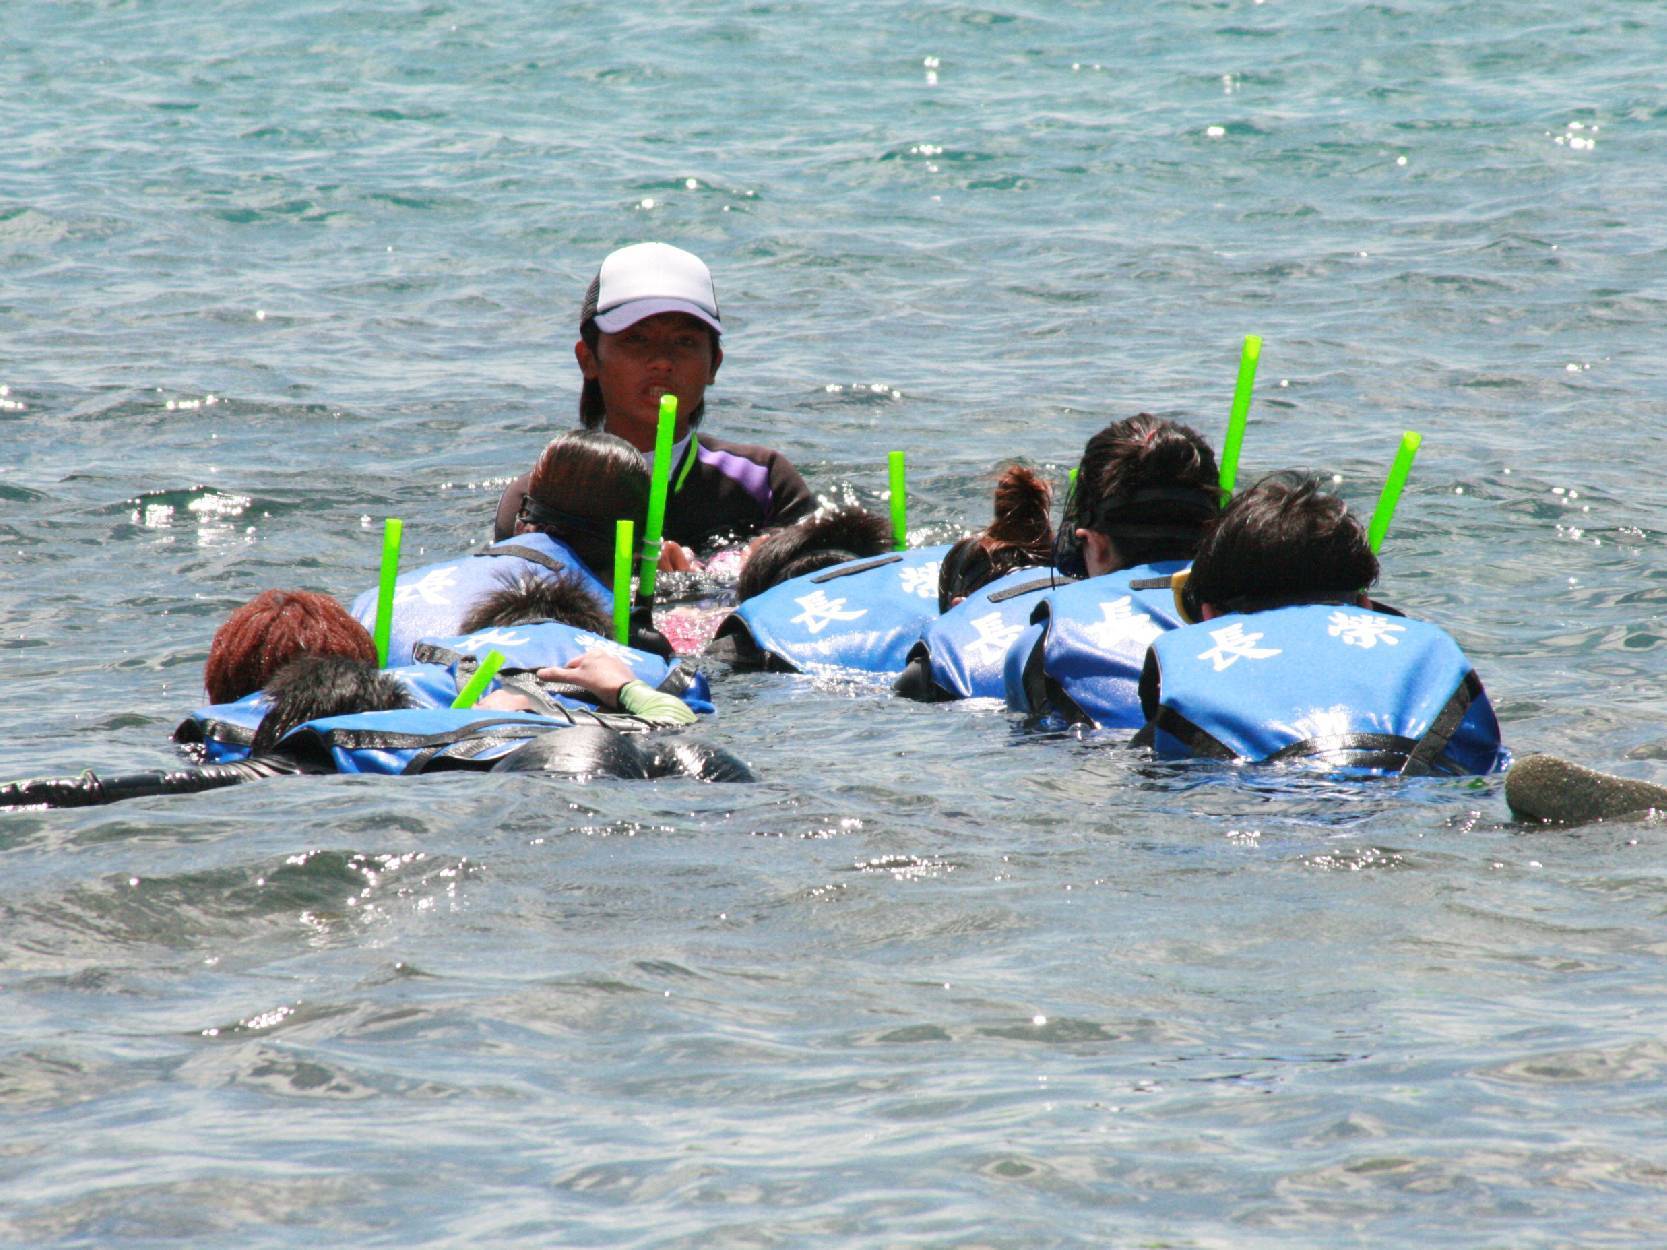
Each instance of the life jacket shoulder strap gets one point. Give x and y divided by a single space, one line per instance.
861 566
528 553
1025 588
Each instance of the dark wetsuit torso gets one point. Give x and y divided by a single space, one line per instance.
719 490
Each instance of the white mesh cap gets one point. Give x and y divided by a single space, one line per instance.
648 278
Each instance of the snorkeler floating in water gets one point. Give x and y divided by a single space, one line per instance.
564 527
1291 661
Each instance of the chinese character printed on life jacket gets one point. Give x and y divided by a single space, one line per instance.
1123 624
1233 645
994 635
821 611
433 588
493 638
920 580
595 642
1364 630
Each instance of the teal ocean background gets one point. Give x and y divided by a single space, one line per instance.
269 273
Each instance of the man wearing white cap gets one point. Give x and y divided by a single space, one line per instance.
649 327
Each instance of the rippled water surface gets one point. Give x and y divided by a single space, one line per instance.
273 272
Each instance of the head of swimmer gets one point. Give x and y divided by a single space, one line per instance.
270 630
1283 541
584 483
649 327
1146 489
1019 535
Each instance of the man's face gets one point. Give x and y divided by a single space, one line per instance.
669 353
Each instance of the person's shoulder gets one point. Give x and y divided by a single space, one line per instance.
755 452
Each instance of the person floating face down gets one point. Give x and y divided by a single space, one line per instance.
270 630
583 483
1067 641
1290 659
1019 539
830 594
649 326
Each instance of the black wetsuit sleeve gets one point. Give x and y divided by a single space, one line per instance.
915 682
790 496
1151 691
90 790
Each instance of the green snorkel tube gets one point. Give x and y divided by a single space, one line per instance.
1240 413
392 529
899 501
1392 488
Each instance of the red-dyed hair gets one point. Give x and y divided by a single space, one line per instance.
272 629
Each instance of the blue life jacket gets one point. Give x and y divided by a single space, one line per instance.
967 646
863 614
550 644
414 740
1083 663
1351 687
433 600
221 733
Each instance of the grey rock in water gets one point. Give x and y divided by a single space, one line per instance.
1545 788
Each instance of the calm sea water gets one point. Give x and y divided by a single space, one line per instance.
269 273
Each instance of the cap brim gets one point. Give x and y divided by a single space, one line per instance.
633 311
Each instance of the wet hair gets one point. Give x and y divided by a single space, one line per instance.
1148 484
315 686
1282 541
828 538
584 482
1020 536
520 600
272 629
592 411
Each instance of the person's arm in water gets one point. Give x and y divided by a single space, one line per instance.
608 679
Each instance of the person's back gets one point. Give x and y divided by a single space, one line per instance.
582 484
1145 491
1290 660
829 593
987 587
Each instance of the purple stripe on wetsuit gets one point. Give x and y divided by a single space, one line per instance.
752 477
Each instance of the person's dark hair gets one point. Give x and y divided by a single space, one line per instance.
583 483
315 686
592 411
269 631
1020 536
817 542
1148 484
1282 541
523 599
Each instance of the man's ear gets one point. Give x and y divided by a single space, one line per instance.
717 359
1209 612
587 360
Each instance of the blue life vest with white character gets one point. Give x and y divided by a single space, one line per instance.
1337 683
1083 662
863 614
967 646
551 644
433 600
415 740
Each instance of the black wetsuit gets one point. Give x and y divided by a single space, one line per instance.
719 491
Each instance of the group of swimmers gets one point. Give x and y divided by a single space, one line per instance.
1206 627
